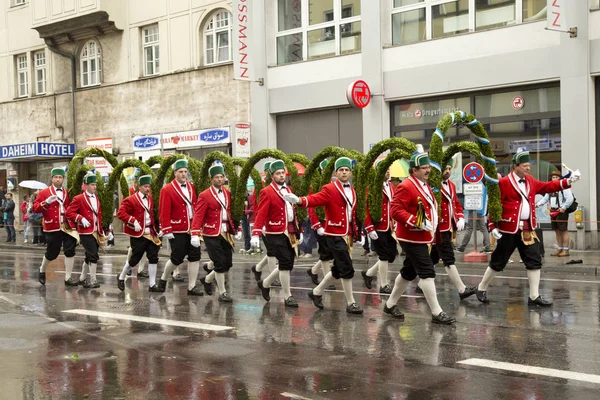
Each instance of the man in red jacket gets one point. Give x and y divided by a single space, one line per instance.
52 203
137 214
339 200
415 209
516 229
85 212
381 235
213 223
278 218
176 210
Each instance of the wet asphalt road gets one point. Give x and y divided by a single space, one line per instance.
269 352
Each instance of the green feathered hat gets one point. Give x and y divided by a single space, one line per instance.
216 169
58 171
276 165
145 180
343 162
520 157
90 177
181 163
418 160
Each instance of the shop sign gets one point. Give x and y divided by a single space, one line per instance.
99 164
180 140
418 113
242 39
146 142
12 172
358 94
541 145
215 136
518 103
37 149
556 16
100 143
242 146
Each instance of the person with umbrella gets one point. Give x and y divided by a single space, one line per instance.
52 203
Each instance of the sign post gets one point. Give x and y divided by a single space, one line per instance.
473 190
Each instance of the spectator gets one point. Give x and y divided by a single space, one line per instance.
9 218
25 216
2 200
559 203
35 222
248 218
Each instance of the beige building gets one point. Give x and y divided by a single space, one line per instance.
157 73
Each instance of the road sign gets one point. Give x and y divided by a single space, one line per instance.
473 172
473 202
472 188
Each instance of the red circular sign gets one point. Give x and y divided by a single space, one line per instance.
418 113
358 94
473 172
518 103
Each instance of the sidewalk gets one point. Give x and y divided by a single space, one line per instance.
590 258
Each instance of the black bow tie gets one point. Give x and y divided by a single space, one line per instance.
220 190
283 187
346 185
184 185
145 197
59 190
91 196
522 180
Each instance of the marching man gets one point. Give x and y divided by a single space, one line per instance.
137 214
176 209
415 209
282 230
52 203
516 229
212 222
339 200
381 235
85 212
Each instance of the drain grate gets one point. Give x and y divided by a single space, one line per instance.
133 304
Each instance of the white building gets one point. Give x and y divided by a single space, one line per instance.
494 58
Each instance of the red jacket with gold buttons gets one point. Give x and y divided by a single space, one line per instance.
452 211
133 209
384 223
208 213
404 211
51 212
81 208
173 212
272 212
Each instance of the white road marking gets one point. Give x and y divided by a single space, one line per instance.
528 369
8 300
294 396
148 320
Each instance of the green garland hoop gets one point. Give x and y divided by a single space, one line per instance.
228 165
112 183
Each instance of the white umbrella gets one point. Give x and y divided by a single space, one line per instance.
33 185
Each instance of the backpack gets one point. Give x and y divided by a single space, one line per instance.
573 206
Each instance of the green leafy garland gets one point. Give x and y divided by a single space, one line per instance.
228 166
254 174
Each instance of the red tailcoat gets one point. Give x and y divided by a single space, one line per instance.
133 209
384 223
315 222
333 199
81 208
208 213
172 208
404 211
452 211
51 212
271 211
512 200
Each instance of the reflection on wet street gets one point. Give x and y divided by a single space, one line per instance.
140 345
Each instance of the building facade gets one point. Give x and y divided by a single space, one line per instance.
529 86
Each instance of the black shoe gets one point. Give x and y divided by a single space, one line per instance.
257 274
224 298
469 291
91 285
195 291
443 318
354 309
459 249
394 311
81 283
291 302
331 287
162 284
207 286
317 300
130 272
482 296
539 301
418 290
266 292
71 282
313 277
368 279
205 268
177 278
387 289
142 274
276 283
156 289
120 283
42 278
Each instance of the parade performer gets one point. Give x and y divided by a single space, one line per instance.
85 212
414 207
52 203
213 223
516 229
175 212
381 236
137 214
282 231
339 200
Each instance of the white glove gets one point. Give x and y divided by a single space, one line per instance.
110 236
292 198
195 241
85 223
427 226
51 199
460 224
575 176
137 226
301 237
238 236
320 231
496 233
254 242
169 236
538 205
362 240
373 235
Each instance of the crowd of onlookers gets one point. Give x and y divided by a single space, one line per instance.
30 222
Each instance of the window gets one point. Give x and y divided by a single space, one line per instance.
18 2
40 72
217 39
90 64
151 54
309 30
494 13
534 10
22 75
